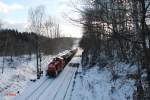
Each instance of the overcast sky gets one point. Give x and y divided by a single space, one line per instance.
15 14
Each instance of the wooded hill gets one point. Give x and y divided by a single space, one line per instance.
13 43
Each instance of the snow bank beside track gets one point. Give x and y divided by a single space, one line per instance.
98 84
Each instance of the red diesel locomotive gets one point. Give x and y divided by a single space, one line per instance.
55 66
59 63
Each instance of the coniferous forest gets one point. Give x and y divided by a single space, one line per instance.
14 43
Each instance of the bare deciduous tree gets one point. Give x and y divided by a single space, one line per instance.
1 24
48 25
36 17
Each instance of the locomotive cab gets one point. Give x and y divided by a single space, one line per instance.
55 66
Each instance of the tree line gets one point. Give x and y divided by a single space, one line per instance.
14 43
117 29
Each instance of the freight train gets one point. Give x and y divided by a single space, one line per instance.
58 63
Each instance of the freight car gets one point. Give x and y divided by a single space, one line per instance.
59 63
67 57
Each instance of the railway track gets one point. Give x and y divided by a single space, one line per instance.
43 86
53 89
46 81
58 90
63 87
69 84
56 83
38 92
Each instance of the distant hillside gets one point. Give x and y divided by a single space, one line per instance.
16 43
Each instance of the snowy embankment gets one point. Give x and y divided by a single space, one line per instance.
18 72
101 84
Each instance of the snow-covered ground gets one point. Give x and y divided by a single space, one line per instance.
112 82
18 73
98 84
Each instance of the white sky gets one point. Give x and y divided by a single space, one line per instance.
14 14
